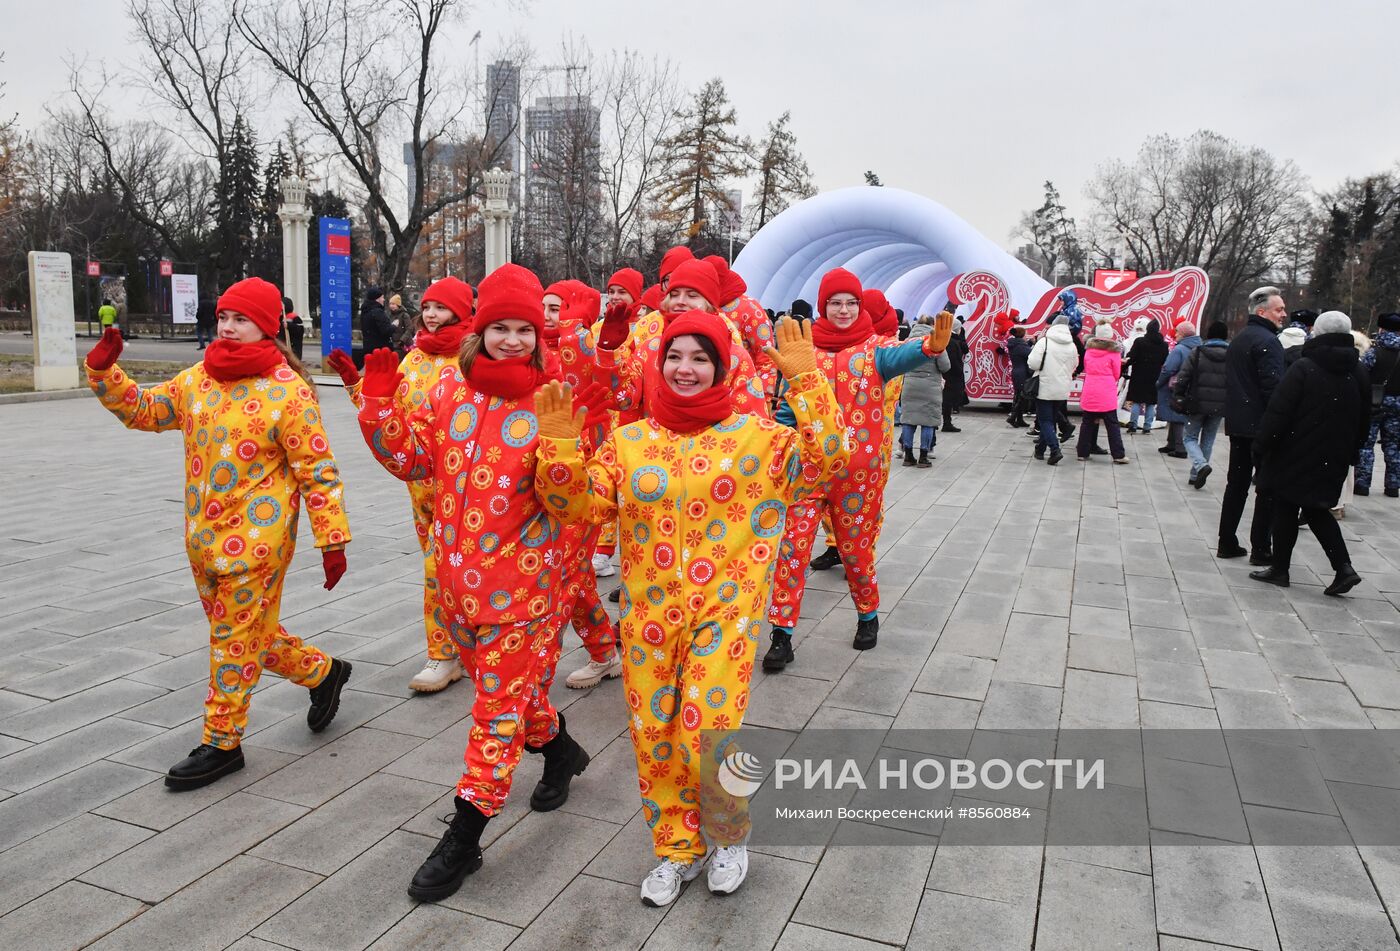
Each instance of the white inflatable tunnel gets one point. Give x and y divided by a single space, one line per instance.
906 245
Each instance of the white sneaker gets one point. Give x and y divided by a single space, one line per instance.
661 887
603 566
728 868
436 675
592 673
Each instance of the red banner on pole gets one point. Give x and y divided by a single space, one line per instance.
1109 280
338 244
166 267
94 269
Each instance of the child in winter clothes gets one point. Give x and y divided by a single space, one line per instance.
1103 367
497 554
442 326
254 450
701 491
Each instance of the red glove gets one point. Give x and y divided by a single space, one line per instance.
340 362
382 376
617 323
102 356
597 399
333 563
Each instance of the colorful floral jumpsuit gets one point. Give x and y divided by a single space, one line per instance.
498 561
700 517
756 331
855 498
254 450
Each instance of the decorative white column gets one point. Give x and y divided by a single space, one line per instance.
51 310
496 214
295 216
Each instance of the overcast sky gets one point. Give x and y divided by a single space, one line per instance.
973 104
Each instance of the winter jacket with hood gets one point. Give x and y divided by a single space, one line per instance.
1316 420
1103 366
921 403
1054 358
1177 359
1144 361
1201 382
1254 365
376 329
1018 350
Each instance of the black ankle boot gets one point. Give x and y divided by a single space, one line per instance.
616 595
563 760
457 855
950 428
205 764
779 653
827 559
1346 579
866 633
325 696
1272 575
908 457
923 462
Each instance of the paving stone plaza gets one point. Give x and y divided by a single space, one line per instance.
1015 596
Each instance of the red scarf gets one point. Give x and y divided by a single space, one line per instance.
688 414
826 336
226 360
509 379
444 340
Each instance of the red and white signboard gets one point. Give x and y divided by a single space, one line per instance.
94 269
338 244
166 267
1107 280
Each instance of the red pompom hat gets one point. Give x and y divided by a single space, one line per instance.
454 294
699 323
836 281
731 285
630 280
258 300
673 258
510 292
559 289
700 277
651 300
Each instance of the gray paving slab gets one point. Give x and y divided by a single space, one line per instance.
434 928
71 916
1086 905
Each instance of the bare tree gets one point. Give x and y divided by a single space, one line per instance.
783 174
1205 201
368 75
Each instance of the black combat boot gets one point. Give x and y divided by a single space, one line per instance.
456 856
563 760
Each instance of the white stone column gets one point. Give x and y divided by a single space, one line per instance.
51 310
496 214
295 216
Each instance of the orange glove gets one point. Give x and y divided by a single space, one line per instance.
105 353
382 376
339 361
333 563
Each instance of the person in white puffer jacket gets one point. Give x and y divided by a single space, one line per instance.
1053 361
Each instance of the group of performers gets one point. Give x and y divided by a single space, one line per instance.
537 429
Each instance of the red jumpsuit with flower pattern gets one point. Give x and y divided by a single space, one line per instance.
700 516
498 561
254 450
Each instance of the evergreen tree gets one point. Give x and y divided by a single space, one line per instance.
236 200
872 179
1330 264
783 174
1054 235
267 258
704 155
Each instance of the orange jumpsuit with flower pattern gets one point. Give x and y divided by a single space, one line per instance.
420 371
497 552
756 330
855 499
700 517
254 451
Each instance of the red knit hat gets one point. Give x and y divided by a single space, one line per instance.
452 293
561 290
885 320
672 259
699 276
700 323
731 285
651 300
630 280
837 281
258 300
510 292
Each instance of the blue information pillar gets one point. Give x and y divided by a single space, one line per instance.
335 285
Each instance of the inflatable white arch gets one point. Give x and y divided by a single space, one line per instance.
906 245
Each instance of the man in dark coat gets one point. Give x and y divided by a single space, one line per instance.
955 380
376 329
205 321
1316 420
1142 364
1201 391
1018 350
1253 367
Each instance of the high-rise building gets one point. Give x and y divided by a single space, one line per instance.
503 112
563 149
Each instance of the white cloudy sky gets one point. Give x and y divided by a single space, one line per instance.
974 104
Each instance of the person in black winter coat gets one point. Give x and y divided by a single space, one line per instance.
1142 365
376 329
205 321
955 380
1201 391
1316 420
1253 367
1018 350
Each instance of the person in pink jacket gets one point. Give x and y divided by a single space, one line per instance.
1103 366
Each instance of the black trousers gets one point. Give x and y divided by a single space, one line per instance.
1237 483
1175 436
1089 433
1324 528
